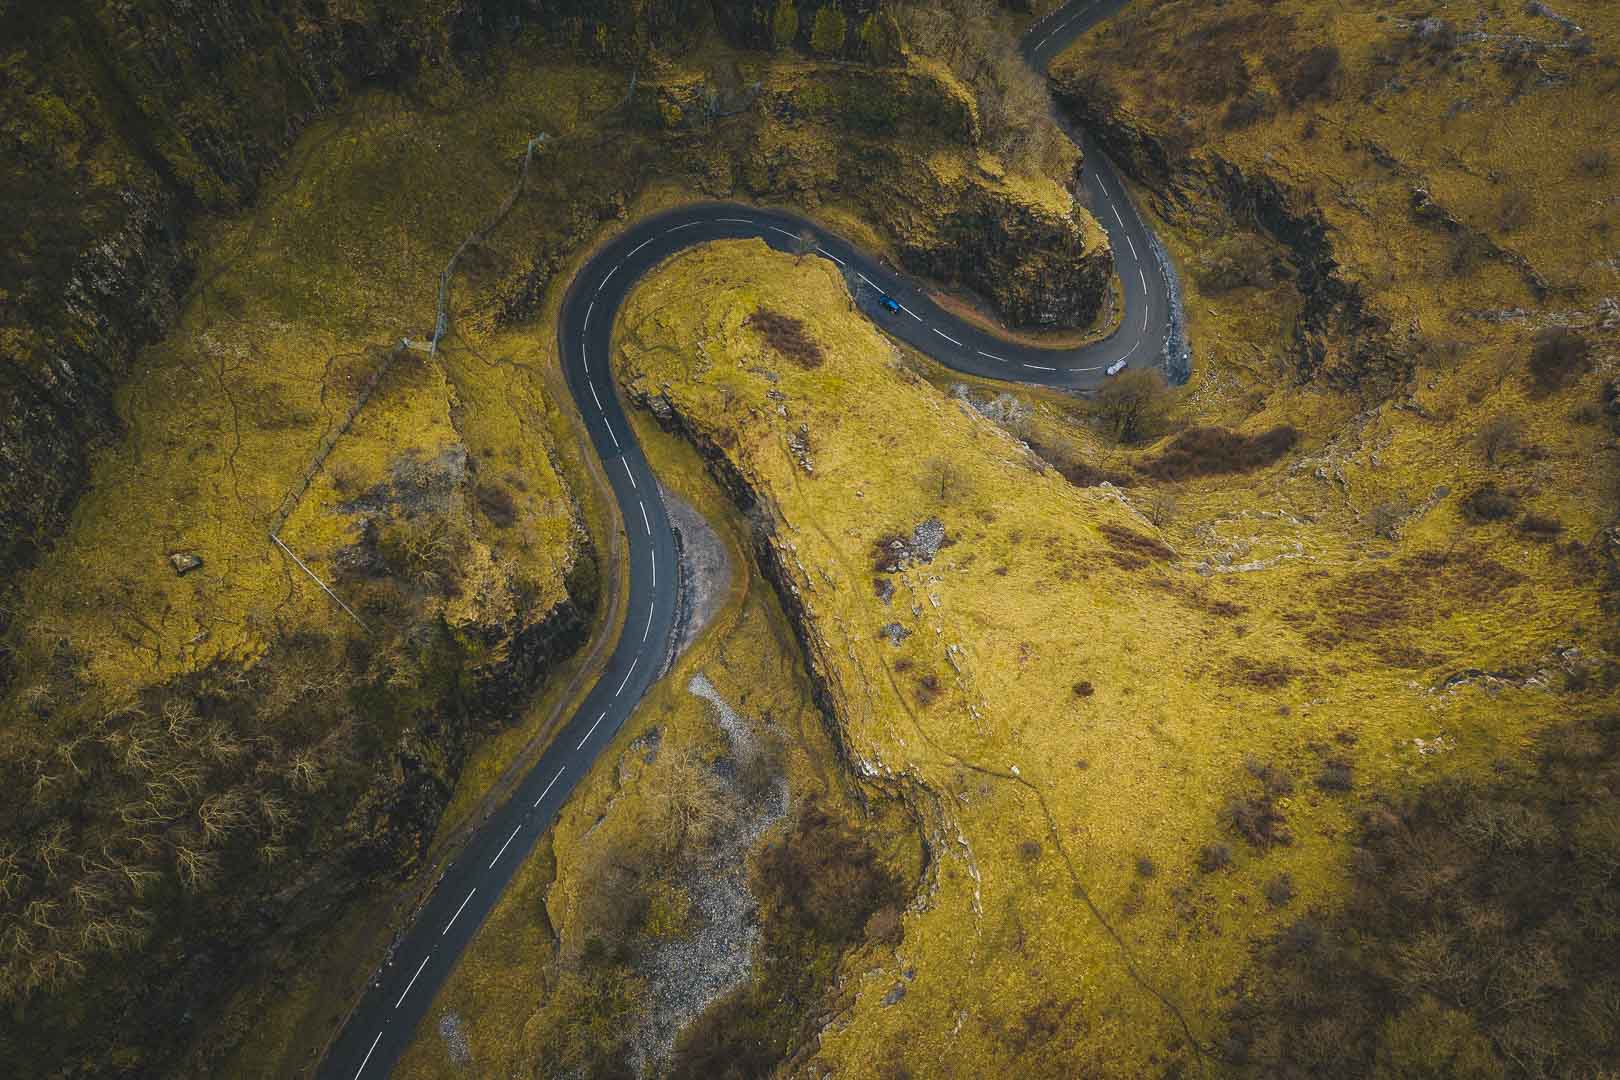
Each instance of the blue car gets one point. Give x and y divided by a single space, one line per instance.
890 304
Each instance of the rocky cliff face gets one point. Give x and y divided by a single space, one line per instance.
905 145
1338 338
1039 267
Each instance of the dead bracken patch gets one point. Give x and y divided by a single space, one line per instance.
1260 674
788 336
1213 451
1132 550
1430 584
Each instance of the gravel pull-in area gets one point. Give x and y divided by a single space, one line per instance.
705 569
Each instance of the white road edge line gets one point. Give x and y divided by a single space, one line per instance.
412 983
622 685
947 337
612 436
628 473
367 1058
610 274
591 732
549 786
457 915
831 256
992 356
644 522
504 846
597 399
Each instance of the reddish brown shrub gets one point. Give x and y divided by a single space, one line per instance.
1540 527
1558 355
1489 503
788 336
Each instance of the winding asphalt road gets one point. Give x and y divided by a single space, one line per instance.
382 1024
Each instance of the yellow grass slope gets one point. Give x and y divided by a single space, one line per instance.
1075 702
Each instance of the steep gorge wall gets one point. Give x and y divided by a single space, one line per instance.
1338 338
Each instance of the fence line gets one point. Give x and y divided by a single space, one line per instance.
293 555
441 322
441 326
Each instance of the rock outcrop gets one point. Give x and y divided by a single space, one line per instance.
1338 338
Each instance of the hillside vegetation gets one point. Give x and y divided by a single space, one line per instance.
717 862
1414 208
219 768
1143 721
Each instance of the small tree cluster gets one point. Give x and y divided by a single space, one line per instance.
827 35
1558 355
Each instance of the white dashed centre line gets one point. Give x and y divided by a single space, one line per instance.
1131 242
610 274
866 279
735 220
644 522
831 256
367 1058
622 685
1038 367
946 336
457 915
592 731
595 398
639 246
678 228
549 786
612 436
504 846
1115 209
588 309
784 232
645 630
908 311
654 556
412 983
628 473
992 356
584 356
1143 276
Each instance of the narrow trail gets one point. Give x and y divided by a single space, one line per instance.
381 1026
